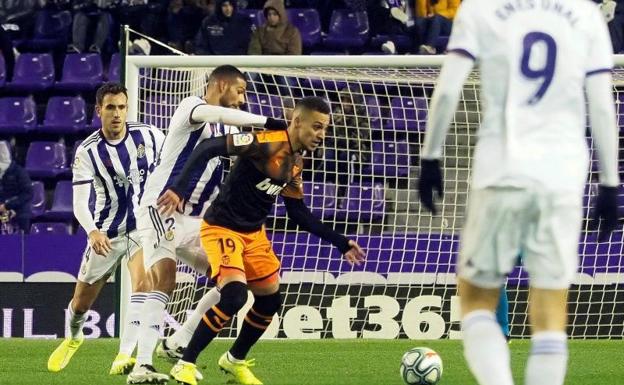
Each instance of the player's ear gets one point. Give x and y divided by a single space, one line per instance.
98 110
222 86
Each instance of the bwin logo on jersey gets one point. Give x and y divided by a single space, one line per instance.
270 188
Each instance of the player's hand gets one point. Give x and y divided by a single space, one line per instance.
100 243
430 180
605 218
355 255
168 202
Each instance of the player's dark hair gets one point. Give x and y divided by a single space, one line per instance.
225 72
313 103
109 88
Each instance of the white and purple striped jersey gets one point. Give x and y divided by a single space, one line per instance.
533 57
182 137
118 172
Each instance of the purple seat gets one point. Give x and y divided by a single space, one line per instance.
81 72
38 201
157 111
347 29
65 114
373 111
114 68
17 115
308 22
407 113
389 159
255 16
321 198
33 72
62 205
266 105
52 228
2 71
402 42
46 159
363 203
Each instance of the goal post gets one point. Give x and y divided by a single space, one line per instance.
363 182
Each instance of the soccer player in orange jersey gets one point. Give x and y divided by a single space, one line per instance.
233 233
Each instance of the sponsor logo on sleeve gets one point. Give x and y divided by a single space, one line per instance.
242 139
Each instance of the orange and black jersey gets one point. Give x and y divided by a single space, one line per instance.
267 166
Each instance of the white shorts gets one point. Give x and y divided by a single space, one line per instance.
95 267
502 223
175 236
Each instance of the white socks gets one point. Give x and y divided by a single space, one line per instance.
133 320
76 320
183 335
486 350
548 359
151 325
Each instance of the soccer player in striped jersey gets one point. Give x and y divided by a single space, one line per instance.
115 162
537 61
162 234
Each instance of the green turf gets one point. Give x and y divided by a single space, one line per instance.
340 362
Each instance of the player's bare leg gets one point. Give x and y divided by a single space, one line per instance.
162 276
82 300
233 286
124 362
485 347
548 358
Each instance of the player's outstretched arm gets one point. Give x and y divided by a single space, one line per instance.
301 215
233 117
605 134
454 72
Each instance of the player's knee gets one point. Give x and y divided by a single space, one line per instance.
142 286
233 297
268 304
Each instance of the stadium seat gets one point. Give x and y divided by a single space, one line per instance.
114 68
362 203
81 72
347 30
308 22
62 205
158 110
320 198
46 159
389 159
2 71
38 201
407 113
373 111
51 228
256 17
266 105
33 72
18 115
65 114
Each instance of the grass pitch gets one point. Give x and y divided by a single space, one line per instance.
335 362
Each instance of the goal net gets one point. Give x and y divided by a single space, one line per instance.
363 183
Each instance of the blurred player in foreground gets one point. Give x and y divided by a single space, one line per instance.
536 59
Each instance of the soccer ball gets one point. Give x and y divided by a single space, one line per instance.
421 366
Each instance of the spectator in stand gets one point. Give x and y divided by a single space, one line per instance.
393 17
277 36
87 13
436 18
15 190
224 33
183 21
6 50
